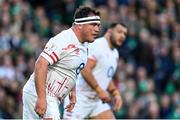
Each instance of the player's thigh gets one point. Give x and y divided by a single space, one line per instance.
53 110
102 111
28 106
108 114
82 108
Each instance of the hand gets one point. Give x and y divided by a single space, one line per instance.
72 98
104 96
117 102
40 107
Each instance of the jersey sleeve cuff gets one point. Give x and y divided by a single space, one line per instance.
47 57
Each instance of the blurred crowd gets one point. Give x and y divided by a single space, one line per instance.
148 74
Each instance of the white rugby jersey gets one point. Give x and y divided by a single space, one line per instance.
66 57
106 64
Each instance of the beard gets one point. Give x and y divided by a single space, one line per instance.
113 42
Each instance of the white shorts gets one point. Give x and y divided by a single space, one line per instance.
85 108
29 101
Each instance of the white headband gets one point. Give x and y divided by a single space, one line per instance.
86 20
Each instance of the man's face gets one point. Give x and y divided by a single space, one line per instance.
90 31
118 35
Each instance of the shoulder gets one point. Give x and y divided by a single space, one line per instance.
62 38
63 35
116 53
98 42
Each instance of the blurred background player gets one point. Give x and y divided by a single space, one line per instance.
95 84
58 66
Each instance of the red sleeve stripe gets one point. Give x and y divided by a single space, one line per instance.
52 58
55 55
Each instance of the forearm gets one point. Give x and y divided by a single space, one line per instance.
90 79
72 98
112 89
40 77
73 91
116 96
72 95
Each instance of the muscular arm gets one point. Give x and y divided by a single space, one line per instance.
111 87
88 76
90 79
41 67
40 70
72 98
116 95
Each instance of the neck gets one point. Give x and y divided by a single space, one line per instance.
77 33
108 38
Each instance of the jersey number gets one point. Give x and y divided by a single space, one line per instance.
110 72
78 70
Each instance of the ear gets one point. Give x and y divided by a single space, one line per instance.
109 31
80 26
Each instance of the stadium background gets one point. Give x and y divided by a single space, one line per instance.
148 75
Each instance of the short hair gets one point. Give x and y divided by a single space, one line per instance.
114 24
84 11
